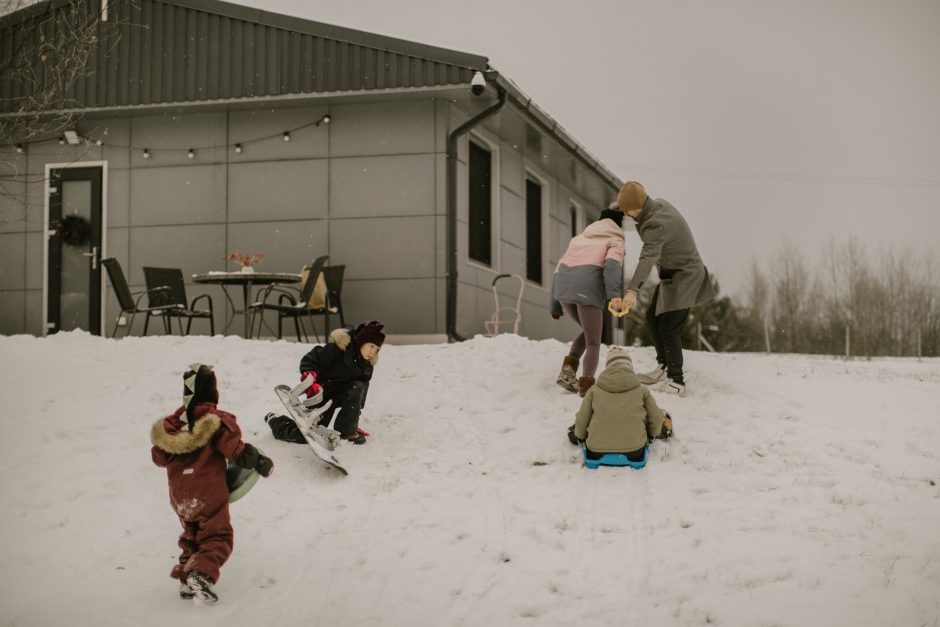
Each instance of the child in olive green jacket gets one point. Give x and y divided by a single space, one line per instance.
618 414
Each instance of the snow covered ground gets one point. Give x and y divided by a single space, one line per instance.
798 490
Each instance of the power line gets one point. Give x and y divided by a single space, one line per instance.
768 176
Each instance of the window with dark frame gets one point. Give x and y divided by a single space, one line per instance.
533 230
480 211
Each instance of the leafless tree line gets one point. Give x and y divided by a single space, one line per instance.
852 301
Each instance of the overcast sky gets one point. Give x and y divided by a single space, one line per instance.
759 119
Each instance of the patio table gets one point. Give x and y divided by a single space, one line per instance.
247 280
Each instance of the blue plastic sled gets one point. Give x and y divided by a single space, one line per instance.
614 459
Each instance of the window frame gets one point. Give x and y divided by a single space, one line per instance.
492 146
530 173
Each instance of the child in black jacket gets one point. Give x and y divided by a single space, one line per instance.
342 369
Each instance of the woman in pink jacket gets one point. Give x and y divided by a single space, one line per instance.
589 276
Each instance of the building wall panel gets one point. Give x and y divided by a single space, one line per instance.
382 186
178 195
400 248
278 190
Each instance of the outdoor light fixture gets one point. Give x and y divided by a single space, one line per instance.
325 120
191 153
287 136
72 137
238 149
146 154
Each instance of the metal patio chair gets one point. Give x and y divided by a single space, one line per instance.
127 301
333 275
291 303
174 295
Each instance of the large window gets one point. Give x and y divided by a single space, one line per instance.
480 214
533 230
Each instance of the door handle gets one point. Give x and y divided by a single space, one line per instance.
94 257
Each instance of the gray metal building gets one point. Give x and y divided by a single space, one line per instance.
209 127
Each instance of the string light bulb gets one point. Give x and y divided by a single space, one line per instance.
287 136
191 154
19 148
146 154
325 120
238 149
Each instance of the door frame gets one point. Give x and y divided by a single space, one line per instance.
49 167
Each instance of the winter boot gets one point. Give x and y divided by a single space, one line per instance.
672 387
584 384
186 592
202 588
653 376
568 377
666 431
355 438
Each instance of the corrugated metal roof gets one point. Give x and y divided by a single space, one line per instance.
153 52
162 51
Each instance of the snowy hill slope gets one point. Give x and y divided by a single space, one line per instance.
798 491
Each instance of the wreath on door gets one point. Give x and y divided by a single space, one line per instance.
74 230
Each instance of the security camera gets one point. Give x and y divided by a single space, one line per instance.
477 83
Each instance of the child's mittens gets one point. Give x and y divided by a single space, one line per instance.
315 387
265 465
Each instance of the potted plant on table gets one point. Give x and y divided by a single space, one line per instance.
246 260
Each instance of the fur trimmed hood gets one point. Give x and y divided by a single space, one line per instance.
342 339
165 436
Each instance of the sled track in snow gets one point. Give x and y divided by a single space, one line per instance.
315 582
477 582
610 537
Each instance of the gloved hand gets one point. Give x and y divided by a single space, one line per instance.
315 387
666 431
629 300
572 438
265 465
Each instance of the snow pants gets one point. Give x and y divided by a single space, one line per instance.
348 401
205 545
666 330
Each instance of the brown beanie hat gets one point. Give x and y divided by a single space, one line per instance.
631 196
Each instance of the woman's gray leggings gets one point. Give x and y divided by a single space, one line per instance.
588 343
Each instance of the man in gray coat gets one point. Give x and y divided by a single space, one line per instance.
683 280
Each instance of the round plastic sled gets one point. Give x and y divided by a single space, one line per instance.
240 480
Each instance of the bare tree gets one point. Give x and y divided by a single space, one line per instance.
791 297
758 303
45 52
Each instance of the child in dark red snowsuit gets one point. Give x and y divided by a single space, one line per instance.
193 444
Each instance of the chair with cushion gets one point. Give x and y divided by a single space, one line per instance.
174 294
127 301
291 302
333 305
